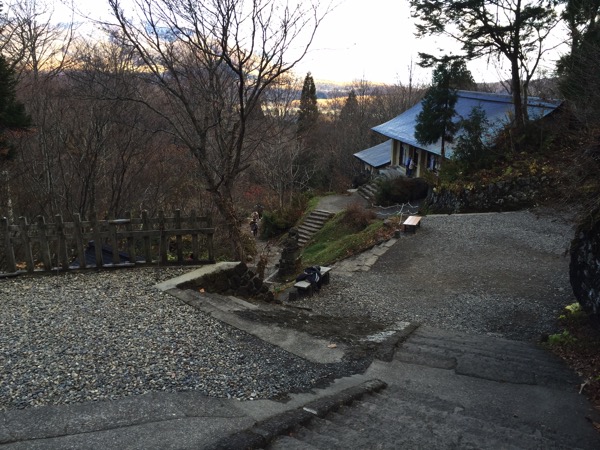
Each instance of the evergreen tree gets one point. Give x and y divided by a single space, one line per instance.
515 30
309 111
435 119
472 150
350 110
579 78
12 112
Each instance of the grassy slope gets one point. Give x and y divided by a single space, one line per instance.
340 238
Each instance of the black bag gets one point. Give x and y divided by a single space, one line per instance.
311 274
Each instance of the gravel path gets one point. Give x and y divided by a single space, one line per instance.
106 335
498 273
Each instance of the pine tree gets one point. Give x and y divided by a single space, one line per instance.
350 110
472 149
309 111
514 30
12 112
579 79
435 119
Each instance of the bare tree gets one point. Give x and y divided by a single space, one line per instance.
281 162
212 61
37 49
32 41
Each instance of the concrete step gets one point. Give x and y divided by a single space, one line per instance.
316 219
384 421
290 443
486 357
368 191
311 226
370 188
365 196
313 223
321 213
353 434
459 391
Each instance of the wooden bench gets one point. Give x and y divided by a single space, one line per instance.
412 223
304 287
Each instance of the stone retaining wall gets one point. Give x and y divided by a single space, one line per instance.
585 265
238 281
505 195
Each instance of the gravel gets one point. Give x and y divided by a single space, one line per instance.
504 274
106 335
93 336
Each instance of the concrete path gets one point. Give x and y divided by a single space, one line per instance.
337 203
441 390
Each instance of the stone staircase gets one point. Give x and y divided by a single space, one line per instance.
313 223
452 391
397 418
369 191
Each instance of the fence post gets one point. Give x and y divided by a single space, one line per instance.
44 244
11 263
163 238
195 249
112 232
97 239
130 239
178 238
209 239
62 253
79 241
27 244
147 245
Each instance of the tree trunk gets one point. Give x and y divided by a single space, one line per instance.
514 70
516 95
224 203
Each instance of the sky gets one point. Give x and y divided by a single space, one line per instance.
369 40
374 40
366 39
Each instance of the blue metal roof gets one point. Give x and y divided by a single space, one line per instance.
377 156
498 109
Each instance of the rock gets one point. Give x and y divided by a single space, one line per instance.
584 269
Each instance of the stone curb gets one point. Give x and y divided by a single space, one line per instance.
259 435
387 348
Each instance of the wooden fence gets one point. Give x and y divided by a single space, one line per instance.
126 242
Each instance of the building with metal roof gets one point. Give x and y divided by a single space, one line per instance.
376 157
405 149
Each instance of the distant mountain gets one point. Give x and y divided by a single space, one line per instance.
328 89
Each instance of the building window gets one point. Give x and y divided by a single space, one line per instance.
432 162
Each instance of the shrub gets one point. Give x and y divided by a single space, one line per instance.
450 172
561 338
401 190
472 148
275 223
357 218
